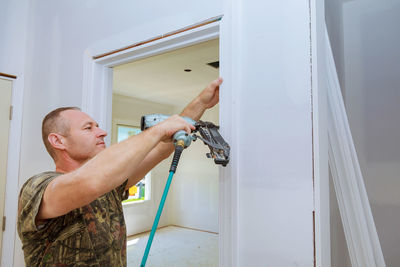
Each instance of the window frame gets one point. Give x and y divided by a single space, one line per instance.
114 139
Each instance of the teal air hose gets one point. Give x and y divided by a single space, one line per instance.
178 151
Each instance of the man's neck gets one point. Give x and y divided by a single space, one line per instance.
67 164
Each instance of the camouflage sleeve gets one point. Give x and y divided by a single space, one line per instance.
29 201
122 192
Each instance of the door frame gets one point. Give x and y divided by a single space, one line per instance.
12 180
6 85
99 60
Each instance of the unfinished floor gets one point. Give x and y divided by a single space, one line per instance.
175 246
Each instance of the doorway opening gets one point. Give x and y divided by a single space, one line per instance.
166 83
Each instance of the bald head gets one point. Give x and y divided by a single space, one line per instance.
55 123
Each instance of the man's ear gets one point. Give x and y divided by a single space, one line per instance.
57 141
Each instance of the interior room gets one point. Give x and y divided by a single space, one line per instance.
276 202
188 229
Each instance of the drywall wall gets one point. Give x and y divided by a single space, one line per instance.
59 33
139 216
193 197
365 40
334 23
193 200
267 114
14 17
13 36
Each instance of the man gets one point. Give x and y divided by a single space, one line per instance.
73 216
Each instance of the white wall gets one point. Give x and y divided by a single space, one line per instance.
365 40
334 23
193 200
14 18
59 33
13 24
268 55
139 216
193 197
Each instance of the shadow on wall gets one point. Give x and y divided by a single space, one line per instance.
387 218
334 24
380 69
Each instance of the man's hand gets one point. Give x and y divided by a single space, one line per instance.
208 98
173 124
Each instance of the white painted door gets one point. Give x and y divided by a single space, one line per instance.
5 103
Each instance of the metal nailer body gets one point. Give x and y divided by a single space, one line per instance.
148 121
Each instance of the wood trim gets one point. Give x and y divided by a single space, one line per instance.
194 229
358 224
173 225
130 237
191 27
97 74
8 75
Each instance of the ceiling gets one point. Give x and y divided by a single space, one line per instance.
163 79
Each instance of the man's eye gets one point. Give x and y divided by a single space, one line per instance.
88 128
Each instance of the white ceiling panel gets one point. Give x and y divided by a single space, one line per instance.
162 78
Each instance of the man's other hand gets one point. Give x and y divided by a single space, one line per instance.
209 97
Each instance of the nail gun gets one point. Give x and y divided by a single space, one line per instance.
209 134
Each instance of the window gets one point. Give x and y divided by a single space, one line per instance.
138 191
124 131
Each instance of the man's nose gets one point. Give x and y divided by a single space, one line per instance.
101 132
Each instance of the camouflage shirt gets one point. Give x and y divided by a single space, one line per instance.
93 235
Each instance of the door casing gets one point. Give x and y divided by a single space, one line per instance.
97 102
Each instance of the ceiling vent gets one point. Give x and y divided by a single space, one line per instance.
214 64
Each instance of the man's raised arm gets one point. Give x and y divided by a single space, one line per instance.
106 171
208 98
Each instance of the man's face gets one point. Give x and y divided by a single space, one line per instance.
84 139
